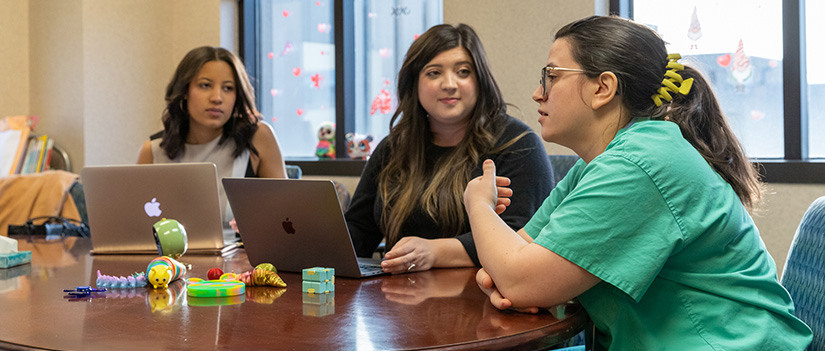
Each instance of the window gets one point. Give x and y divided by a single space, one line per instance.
740 56
815 48
754 54
332 61
384 30
295 70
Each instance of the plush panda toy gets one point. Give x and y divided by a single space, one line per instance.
359 147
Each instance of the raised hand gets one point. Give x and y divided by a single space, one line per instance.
488 190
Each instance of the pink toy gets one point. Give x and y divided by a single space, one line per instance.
135 280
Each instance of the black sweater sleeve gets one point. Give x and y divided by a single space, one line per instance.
531 179
525 162
360 215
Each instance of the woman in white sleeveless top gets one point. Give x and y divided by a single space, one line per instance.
211 116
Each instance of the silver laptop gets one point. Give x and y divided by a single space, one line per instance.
124 201
295 224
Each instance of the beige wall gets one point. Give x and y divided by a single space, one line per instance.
780 213
14 57
134 47
95 72
517 38
57 71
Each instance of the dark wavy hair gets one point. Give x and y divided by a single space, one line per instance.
403 183
638 57
243 121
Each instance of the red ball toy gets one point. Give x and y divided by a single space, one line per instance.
214 274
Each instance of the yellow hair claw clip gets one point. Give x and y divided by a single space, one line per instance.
671 78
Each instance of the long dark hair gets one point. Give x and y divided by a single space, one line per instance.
244 118
403 183
638 57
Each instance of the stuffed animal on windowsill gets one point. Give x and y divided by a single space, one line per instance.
325 149
359 147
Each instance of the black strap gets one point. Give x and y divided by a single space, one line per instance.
51 226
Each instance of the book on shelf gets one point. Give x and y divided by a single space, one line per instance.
43 142
38 148
27 159
14 139
48 158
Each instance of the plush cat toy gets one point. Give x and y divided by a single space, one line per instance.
326 141
359 147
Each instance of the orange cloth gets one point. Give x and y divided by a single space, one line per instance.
27 196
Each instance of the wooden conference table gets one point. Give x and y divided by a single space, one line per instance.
437 309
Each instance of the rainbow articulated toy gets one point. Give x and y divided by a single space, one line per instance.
164 270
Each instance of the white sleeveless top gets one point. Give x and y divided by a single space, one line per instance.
220 155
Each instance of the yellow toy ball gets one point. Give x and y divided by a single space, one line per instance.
228 277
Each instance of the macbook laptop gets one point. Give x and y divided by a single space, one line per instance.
295 224
124 201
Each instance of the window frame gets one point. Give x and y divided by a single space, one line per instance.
344 38
796 166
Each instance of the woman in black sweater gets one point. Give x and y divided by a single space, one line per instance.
451 117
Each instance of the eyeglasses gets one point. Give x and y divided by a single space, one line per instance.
546 70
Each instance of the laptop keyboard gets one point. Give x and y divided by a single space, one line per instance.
369 265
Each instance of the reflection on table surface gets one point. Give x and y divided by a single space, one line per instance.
437 308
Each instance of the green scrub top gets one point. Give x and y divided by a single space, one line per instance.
681 262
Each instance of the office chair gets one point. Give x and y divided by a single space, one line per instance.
561 165
804 272
60 159
586 337
293 172
344 197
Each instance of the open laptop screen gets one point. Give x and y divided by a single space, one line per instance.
124 201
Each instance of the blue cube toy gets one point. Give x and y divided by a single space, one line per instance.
318 305
318 299
319 274
317 287
12 259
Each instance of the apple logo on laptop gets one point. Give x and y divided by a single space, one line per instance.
152 208
288 226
